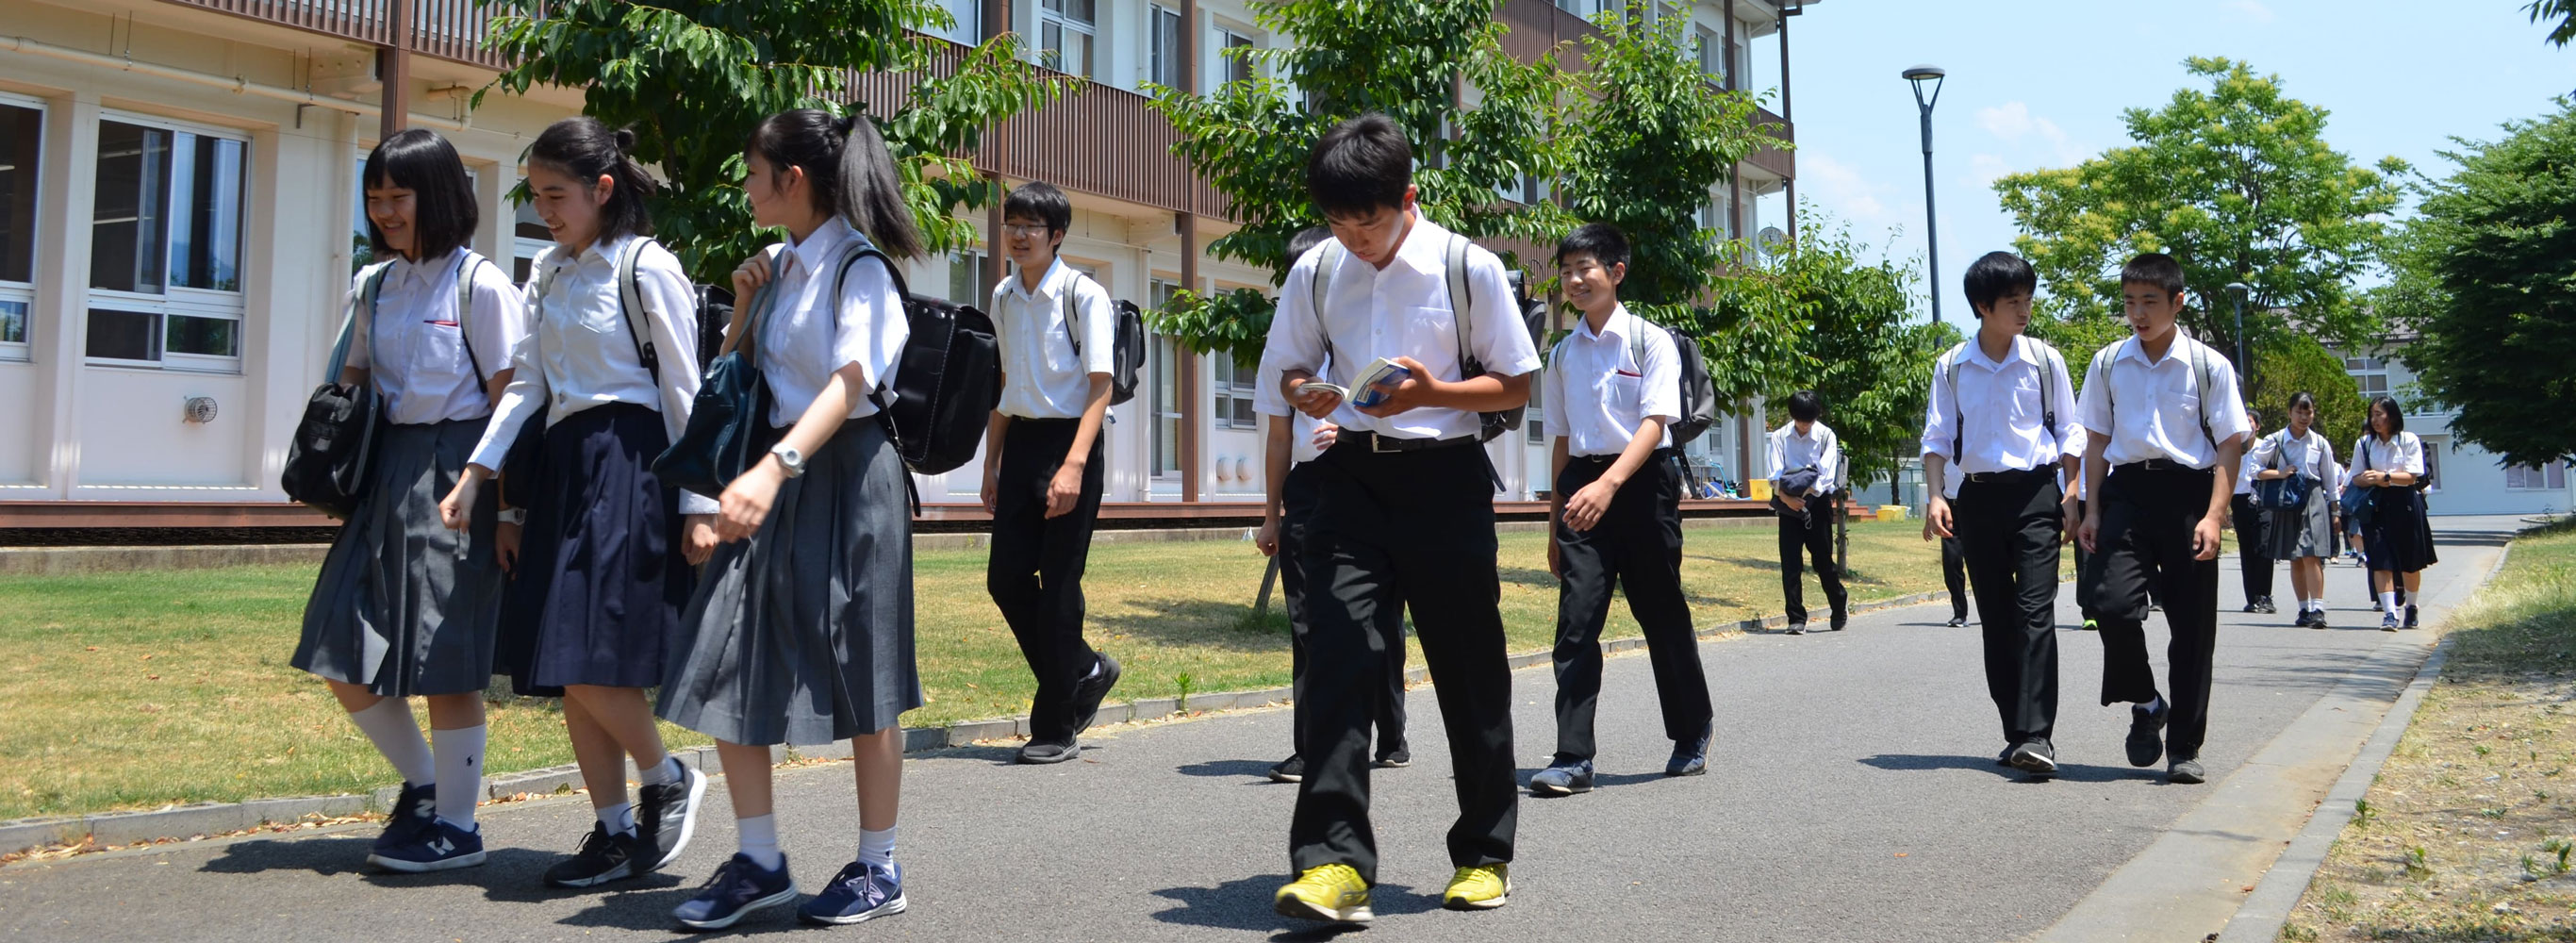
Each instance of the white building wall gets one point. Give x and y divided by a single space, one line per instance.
2469 480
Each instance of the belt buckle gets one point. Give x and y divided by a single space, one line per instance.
1377 444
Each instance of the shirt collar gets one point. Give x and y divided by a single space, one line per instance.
1616 325
2022 350
2135 349
405 271
1424 246
1048 284
820 246
606 250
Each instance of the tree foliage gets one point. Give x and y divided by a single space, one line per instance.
691 79
2486 277
1857 345
2563 11
2238 183
1249 140
2295 364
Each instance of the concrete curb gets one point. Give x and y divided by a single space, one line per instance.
197 821
2266 911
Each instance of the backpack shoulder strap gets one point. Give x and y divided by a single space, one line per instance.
2052 363
465 272
630 299
1071 304
841 276
1326 265
2201 375
360 328
1948 365
1462 298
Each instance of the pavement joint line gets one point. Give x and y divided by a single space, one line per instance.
2267 911
218 818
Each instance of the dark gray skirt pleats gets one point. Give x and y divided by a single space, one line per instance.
403 605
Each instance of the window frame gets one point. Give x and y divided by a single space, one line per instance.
1058 22
23 294
2537 477
175 300
1230 384
1161 62
1231 37
1168 357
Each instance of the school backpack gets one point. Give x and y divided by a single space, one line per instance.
714 310
1699 393
1461 296
2047 404
946 382
1127 344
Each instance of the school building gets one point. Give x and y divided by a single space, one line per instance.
180 210
2466 479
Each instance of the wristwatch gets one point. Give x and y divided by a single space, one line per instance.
792 461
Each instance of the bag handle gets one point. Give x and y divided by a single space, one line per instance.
630 296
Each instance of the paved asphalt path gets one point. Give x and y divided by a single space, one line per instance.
1852 796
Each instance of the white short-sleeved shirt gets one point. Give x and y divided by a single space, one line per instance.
2075 443
1402 310
1599 390
2245 469
1997 420
428 373
1269 401
806 337
1818 447
583 353
2371 453
2310 455
1041 376
2154 410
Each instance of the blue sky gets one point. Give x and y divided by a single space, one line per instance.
2042 84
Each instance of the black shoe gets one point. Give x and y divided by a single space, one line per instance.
1690 757
666 815
1956 621
1039 754
413 812
1798 628
604 856
1088 693
2410 615
2253 607
2146 733
1840 621
2317 619
2265 606
1564 779
2185 772
2035 757
1290 770
1397 758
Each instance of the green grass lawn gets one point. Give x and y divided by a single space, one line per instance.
132 690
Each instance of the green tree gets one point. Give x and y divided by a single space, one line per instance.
2293 365
1858 345
2563 11
1249 139
2238 183
692 79
2486 277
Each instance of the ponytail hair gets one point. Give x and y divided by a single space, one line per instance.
848 171
585 149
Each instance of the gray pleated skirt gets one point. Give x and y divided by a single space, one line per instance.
403 605
2306 532
803 633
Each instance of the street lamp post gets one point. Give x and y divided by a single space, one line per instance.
2244 367
1931 225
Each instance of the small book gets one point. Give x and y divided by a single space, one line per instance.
1378 371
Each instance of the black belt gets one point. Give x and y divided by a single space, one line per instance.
2010 476
2158 465
1042 420
1658 454
1366 441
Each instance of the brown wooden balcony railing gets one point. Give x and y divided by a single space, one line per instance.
1537 26
447 29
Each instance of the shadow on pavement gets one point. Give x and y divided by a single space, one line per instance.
1244 904
1599 781
1255 770
2074 772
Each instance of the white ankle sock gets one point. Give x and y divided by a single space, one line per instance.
2316 605
760 841
460 766
619 818
2151 706
2388 602
665 772
388 723
876 848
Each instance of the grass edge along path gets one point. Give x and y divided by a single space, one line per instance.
2468 832
142 690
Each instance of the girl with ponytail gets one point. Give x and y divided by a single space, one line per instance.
801 628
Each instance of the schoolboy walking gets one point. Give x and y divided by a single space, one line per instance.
1042 465
2253 523
1293 441
1615 382
1806 468
1993 448
1404 512
2165 428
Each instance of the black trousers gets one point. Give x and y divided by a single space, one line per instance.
2083 565
1812 533
1954 571
1296 504
2009 530
1392 530
2145 539
2254 546
1636 547
1035 568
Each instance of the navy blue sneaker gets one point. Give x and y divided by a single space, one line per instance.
738 889
440 847
1690 757
409 817
858 894
1563 779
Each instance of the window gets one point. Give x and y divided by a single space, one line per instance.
1065 36
1165 65
2370 372
2550 477
1238 65
1704 50
1535 421
1233 387
528 236
22 128
165 246
2433 447
966 279
1167 390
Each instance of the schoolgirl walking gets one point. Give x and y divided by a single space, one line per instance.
2389 461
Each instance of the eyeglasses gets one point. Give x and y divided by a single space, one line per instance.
1017 230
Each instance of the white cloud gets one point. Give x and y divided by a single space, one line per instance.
1841 189
2008 121
2011 122
2252 10
1988 168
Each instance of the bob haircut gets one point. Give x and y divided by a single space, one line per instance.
444 211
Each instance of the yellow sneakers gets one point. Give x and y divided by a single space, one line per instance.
1482 887
1328 892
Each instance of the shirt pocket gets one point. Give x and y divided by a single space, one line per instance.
1620 394
1430 334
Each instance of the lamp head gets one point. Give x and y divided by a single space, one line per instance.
2240 288
1926 73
